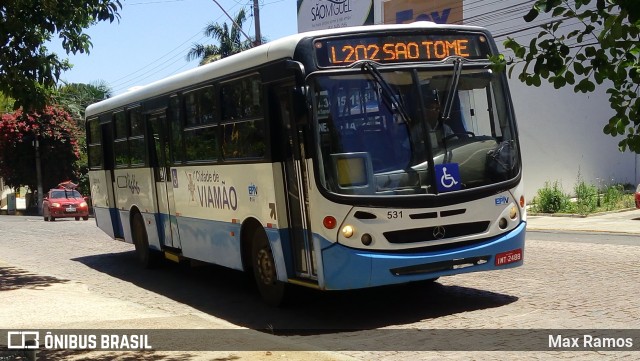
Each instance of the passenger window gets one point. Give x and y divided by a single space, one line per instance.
200 107
243 131
137 128
242 98
201 144
244 140
121 128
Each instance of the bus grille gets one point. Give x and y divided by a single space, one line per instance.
436 233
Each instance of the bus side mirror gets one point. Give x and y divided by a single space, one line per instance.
300 94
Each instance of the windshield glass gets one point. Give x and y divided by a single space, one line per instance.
375 143
65 194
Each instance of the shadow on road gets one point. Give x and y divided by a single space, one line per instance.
110 356
12 278
232 296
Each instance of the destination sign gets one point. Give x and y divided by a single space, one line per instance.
400 48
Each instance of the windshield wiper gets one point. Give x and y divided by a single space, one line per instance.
453 88
387 92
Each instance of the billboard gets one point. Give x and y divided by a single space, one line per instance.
328 14
408 11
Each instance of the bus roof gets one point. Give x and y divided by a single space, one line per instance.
282 48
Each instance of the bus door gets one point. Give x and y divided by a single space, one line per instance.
112 226
296 184
160 161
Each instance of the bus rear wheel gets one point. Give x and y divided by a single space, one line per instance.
264 271
147 258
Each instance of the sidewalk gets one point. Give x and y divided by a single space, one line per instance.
627 222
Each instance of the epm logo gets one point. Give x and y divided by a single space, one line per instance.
253 192
502 200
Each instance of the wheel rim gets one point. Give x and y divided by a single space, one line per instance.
266 267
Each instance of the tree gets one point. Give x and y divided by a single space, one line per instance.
28 71
6 104
76 97
603 48
56 133
229 41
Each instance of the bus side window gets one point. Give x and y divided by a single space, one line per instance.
201 132
121 144
175 124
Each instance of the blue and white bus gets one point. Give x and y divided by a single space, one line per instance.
334 159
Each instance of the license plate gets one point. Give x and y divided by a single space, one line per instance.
71 209
508 257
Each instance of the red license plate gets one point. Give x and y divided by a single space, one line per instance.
509 257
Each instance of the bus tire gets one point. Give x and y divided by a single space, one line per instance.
264 271
147 257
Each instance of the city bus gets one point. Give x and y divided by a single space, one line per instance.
335 159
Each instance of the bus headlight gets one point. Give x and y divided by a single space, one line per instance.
513 212
347 231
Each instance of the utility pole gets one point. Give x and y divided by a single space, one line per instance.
233 21
36 143
256 16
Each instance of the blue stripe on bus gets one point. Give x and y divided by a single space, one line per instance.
347 268
211 241
114 229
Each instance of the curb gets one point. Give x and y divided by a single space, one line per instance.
572 230
576 215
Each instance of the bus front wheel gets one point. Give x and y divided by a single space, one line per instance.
264 271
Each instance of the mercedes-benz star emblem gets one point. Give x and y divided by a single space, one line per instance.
438 232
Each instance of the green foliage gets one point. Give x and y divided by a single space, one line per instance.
612 197
76 97
551 199
586 197
230 41
6 104
28 71
56 134
605 47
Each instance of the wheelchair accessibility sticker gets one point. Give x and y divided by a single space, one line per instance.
448 177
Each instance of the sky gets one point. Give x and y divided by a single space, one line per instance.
153 37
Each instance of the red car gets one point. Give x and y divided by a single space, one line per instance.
638 197
64 203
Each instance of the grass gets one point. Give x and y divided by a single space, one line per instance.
587 199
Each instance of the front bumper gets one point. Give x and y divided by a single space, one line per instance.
347 268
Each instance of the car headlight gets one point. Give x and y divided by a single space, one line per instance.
83 205
55 205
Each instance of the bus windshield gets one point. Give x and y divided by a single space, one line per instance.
383 132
